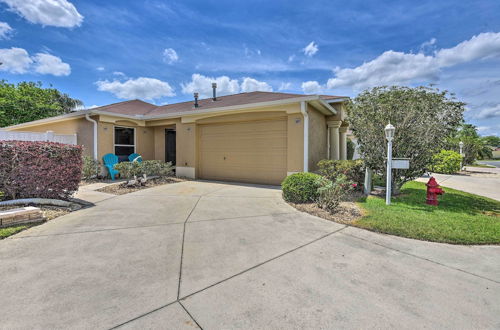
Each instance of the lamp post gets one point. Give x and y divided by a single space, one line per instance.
389 135
461 145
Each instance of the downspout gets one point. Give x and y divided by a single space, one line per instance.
95 133
303 110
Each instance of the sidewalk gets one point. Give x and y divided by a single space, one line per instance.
89 194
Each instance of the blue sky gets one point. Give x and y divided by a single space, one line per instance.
162 51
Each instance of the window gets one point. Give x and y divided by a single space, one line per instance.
124 142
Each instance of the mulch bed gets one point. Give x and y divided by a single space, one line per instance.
347 212
122 188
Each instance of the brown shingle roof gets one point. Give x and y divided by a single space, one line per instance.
137 107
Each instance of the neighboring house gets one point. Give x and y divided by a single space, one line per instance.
258 137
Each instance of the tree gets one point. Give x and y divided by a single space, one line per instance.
474 147
29 101
424 117
491 140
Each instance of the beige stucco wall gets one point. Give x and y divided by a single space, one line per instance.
144 139
318 134
79 126
295 143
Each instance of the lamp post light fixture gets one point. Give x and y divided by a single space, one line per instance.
389 135
461 145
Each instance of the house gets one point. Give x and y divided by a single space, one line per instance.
257 137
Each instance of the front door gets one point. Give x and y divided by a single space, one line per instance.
170 146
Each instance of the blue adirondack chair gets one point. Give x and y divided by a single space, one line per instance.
110 160
135 157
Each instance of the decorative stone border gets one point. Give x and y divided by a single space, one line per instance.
22 215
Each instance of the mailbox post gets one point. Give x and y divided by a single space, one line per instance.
389 135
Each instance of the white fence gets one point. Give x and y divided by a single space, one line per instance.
34 136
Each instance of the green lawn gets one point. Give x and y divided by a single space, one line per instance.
460 218
6 232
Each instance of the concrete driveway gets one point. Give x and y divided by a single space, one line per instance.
222 256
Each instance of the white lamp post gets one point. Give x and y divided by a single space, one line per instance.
389 135
461 144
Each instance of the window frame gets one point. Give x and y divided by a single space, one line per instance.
124 145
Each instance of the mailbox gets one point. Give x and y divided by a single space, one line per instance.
401 163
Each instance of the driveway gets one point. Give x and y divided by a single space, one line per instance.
221 256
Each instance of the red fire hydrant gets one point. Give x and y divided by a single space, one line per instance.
433 190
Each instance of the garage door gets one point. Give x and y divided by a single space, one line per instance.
246 152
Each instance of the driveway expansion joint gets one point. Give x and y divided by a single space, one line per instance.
191 316
422 258
264 262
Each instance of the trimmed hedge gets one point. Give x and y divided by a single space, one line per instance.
39 169
301 187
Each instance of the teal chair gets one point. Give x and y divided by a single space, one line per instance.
110 160
135 157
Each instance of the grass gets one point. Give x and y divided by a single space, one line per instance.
460 218
6 232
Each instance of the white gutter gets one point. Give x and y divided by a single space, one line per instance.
95 133
303 110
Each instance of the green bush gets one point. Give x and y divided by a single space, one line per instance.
149 167
300 187
354 170
446 161
91 168
331 193
157 167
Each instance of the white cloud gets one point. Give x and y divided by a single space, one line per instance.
397 67
15 60
285 86
487 113
252 85
140 88
5 30
119 74
428 45
225 85
311 49
482 46
203 85
50 64
483 128
100 68
170 55
311 87
59 13
291 58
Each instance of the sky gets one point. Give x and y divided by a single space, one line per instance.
103 52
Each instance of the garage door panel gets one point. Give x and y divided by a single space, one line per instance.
248 152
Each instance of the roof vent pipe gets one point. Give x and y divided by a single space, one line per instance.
196 100
214 89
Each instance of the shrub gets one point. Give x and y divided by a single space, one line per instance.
353 169
91 168
446 161
300 187
39 169
157 167
149 167
330 193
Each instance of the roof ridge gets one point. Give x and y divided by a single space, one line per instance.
121 102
